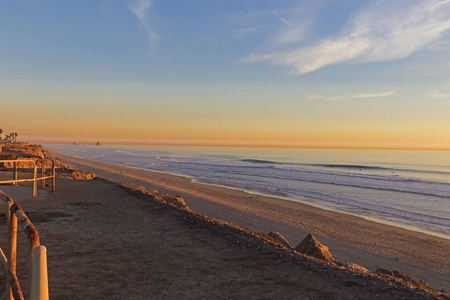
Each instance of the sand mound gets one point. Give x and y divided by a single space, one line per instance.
79 174
312 247
402 278
176 201
281 239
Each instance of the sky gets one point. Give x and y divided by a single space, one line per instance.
322 73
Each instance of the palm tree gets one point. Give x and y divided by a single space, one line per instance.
1 131
15 137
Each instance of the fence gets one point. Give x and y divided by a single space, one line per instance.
39 278
35 178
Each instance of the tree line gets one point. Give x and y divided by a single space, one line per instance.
12 137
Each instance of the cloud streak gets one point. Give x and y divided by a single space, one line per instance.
436 94
244 32
140 8
351 96
383 31
282 19
283 26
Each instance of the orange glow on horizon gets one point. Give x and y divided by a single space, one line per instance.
161 122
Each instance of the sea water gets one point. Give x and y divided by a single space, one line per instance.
404 188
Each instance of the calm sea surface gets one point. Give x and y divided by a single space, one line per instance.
405 188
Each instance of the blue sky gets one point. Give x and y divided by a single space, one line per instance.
327 73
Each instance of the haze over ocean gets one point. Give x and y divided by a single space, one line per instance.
401 187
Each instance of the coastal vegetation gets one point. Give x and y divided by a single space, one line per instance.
11 137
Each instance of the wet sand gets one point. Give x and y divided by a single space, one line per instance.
352 239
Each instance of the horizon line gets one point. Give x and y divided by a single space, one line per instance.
250 145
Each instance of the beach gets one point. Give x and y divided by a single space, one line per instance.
107 240
352 239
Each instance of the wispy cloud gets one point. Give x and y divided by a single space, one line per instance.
436 94
283 25
140 8
282 19
383 31
351 96
244 32
294 31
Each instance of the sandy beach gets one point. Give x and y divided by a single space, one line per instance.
352 239
109 242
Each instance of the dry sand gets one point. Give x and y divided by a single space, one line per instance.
107 243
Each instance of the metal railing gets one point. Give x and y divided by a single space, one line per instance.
35 178
39 277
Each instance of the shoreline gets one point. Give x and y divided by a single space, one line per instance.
352 239
308 203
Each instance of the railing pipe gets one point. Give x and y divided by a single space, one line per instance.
43 174
39 277
28 227
4 261
16 290
15 172
12 253
8 201
35 178
54 176
35 181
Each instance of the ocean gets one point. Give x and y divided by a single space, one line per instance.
404 188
